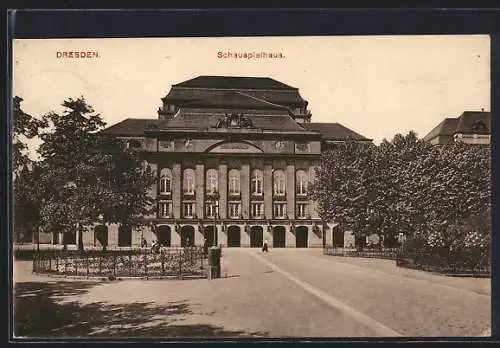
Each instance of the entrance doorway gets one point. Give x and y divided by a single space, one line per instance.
338 237
256 237
124 236
233 236
301 236
211 236
278 237
187 236
101 235
163 233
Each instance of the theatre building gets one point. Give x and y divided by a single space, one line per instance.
234 159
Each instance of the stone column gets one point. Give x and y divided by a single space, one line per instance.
176 190
245 190
290 237
268 191
223 190
200 190
290 190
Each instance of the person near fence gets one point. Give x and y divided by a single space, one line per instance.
264 247
155 247
144 243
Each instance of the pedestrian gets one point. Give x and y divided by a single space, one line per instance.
264 247
144 243
155 247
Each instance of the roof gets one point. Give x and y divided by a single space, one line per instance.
133 126
234 99
469 122
334 131
234 82
187 120
179 95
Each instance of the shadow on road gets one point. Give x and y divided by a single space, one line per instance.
40 312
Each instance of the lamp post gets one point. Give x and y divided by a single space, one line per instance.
215 197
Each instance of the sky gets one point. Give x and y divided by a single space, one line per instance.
377 86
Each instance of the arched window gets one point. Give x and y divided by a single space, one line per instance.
301 182
256 182
212 181
188 181
279 183
234 182
165 181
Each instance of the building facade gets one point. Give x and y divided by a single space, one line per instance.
234 159
472 127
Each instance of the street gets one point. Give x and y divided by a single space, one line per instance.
285 293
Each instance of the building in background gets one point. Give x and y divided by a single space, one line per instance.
472 127
234 158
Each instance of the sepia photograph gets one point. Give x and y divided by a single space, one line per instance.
251 187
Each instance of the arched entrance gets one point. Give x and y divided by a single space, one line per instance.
233 236
338 237
301 236
164 235
211 235
187 236
278 237
101 235
55 237
69 237
256 236
124 236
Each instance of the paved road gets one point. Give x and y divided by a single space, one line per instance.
376 292
287 293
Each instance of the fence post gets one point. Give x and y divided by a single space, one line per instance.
87 263
130 265
162 257
100 265
75 260
180 264
65 264
114 264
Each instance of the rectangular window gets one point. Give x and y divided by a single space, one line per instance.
279 210
257 210
234 210
165 209
210 209
188 210
301 210
165 185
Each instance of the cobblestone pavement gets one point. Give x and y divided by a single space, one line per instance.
286 293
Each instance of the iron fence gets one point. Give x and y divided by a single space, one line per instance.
143 263
384 253
457 263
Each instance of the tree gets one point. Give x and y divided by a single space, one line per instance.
124 180
87 176
24 127
27 203
407 185
68 151
347 189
